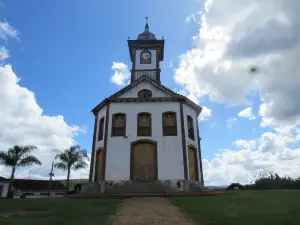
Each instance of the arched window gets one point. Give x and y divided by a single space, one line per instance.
144 93
190 127
144 124
118 124
100 129
169 124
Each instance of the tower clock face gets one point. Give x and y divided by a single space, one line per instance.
146 56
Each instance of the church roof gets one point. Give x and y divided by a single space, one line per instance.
172 96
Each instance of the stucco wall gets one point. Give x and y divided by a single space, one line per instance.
139 66
169 148
132 93
188 111
5 189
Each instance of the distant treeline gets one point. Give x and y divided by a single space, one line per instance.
270 181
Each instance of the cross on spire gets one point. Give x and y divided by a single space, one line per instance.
146 19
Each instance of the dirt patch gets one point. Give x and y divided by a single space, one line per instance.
149 211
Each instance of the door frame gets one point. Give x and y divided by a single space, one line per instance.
97 165
193 148
132 156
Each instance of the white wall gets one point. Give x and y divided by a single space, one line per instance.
132 93
5 189
169 148
139 66
188 111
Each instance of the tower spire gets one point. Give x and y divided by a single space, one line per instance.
146 26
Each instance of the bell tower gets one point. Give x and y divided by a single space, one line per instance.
146 53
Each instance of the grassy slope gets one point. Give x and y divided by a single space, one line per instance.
56 211
279 207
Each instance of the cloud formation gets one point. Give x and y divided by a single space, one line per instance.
235 36
121 74
247 113
22 122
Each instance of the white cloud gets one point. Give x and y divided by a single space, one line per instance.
205 113
22 122
121 73
233 37
7 31
242 164
4 53
245 144
247 113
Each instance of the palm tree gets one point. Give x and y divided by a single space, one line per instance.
18 156
72 158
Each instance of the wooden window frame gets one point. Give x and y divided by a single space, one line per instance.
138 122
101 129
112 125
191 131
163 125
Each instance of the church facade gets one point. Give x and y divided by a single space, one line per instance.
145 131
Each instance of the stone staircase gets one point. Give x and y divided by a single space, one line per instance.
136 187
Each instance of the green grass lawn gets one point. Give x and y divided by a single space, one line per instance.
277 207
56 211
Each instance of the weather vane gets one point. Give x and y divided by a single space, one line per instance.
146 19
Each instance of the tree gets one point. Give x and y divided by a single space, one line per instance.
18 156
72 158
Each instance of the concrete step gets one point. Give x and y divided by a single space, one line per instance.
137 187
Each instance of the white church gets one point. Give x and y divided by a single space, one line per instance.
146 132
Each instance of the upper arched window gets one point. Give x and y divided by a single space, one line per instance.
144 124
169 124
118 124
190 127
101 129
144 93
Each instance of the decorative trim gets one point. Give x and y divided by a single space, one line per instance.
142 44
183 141
157 66
93 149
158 85
199 152
137 126
196 160
105 142
132 156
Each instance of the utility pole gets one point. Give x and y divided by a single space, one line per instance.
51 174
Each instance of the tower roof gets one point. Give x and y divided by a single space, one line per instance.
146 35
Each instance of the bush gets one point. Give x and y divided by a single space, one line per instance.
234 186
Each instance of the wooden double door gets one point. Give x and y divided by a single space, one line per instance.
193 164
143 161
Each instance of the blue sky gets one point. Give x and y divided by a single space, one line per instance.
64 52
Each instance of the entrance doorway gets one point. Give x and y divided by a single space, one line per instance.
143 160
193 163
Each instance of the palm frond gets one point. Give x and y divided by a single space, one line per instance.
61 166
80 165
29 161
